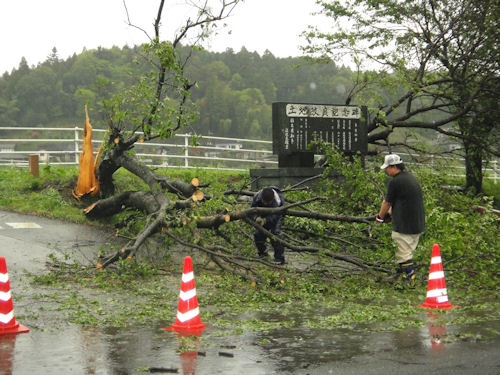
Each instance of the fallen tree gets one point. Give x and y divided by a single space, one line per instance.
186 209
220 225
157 107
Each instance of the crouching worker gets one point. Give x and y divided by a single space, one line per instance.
269 197
404 203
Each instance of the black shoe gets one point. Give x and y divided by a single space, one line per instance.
263 255
279 261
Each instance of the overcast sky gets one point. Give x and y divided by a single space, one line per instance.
31 28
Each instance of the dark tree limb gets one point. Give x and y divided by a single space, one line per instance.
140 200
311 249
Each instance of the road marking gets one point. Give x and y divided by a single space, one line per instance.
24 225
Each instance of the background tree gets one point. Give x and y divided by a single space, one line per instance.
156 107
438 57
221 78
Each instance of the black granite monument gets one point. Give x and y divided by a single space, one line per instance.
296 125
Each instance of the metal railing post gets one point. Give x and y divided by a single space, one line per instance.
495 172
76 145
186 151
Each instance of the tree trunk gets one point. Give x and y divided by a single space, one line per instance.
474 135
473 168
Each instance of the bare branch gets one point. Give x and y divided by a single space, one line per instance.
129 23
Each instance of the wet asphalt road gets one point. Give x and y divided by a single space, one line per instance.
27 241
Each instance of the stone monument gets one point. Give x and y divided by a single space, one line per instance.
296 125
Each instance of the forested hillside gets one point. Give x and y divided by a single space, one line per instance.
233 95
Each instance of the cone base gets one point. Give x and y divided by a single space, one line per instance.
185 328
432 305
17 328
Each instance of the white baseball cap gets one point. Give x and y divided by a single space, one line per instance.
391 159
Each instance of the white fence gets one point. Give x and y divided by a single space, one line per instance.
452 166
61 146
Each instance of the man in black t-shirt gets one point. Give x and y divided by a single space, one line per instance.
405 205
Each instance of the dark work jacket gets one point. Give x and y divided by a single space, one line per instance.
405 196
279 200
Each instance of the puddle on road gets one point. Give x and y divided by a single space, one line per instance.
124 351
142 350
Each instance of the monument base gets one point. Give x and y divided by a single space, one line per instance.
301 159
283 177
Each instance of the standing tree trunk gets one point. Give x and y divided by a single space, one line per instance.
473 155
473 167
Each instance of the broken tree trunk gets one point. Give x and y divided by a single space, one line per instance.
87 183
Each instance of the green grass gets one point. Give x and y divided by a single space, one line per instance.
47 195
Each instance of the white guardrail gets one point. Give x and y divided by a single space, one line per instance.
59 146
451 165
54 147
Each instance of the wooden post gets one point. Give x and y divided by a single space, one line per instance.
34 165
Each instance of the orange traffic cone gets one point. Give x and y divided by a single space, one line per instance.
8 323
188 312
437 296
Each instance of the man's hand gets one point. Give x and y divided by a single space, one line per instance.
260 220
387 218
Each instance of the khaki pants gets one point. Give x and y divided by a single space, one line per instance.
407 243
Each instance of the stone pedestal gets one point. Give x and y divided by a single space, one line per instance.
296 160
282 177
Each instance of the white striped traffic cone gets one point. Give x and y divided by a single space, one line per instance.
437 296
8 323
188 312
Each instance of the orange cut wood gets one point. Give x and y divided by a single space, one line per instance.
86 183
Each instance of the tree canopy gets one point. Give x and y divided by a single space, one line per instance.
440 59
233 95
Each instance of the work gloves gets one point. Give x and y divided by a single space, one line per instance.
260 220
